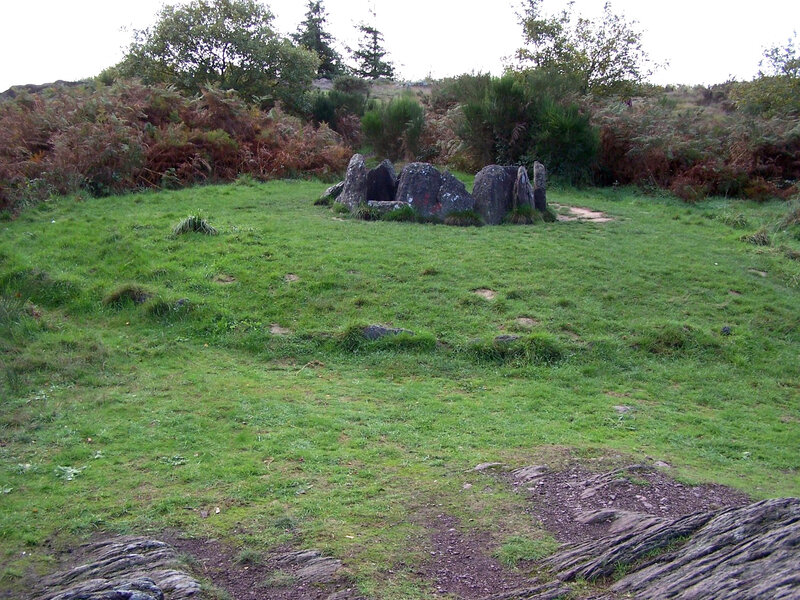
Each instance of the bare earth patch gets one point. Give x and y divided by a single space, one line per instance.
561 499
577 213
284 575
485 293
291 278
460 564
224 279
758 272
527 322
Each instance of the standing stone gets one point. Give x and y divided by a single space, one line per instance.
493 192
539 187
331 194
354 192
382 183
419 186
453 196
523 190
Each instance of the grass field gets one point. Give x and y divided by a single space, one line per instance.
216 385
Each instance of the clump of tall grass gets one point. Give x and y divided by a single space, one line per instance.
194 224
128 293
467 218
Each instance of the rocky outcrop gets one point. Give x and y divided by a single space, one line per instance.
746 553
128 568
377 332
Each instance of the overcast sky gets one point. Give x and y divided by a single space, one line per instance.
704 41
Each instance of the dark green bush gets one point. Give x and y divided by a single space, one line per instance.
350 84
394 128
518 121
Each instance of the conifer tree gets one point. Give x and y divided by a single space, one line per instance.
311 34
370 63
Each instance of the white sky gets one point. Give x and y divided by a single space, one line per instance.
704 41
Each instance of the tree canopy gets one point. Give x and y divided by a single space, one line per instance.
775 91
603 56
369 57
311 34
226 43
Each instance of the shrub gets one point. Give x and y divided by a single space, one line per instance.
128 136
394 128
695 152
517 120
350 84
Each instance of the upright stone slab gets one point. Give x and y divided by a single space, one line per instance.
539 187
382 183
355 183
419 186
493 191
453 196
523 190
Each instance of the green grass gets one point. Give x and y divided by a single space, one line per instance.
163 410
519 548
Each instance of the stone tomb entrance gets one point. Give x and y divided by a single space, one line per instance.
498 192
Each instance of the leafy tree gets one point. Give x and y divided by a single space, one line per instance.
225 43
603 56
783 61
369 56
776 89
312 35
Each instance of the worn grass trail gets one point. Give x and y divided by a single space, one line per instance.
154 411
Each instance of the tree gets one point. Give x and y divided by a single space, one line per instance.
603 56
224 43
776 89
370 53
312 35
